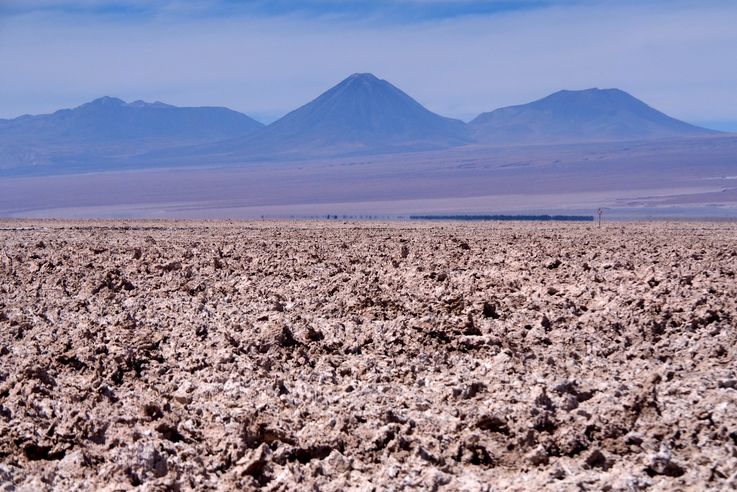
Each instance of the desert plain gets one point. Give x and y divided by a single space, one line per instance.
175 355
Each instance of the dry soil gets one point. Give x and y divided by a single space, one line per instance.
371 356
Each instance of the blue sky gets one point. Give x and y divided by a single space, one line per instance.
457 57
380 10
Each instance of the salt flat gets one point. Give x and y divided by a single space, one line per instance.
340 355
683 177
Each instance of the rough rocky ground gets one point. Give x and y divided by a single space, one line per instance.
331 356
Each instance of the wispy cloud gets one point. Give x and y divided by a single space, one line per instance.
385 10
266 58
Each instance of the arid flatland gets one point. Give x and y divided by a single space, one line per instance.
368 356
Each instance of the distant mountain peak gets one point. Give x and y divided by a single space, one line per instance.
591 94
106 101
366 76
579 115
109 128
591 90
360 114
359 81
115 102
143 104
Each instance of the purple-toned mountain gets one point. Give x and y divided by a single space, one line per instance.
109 127
579 116
362 114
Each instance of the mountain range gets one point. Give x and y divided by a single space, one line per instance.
109 128
361 115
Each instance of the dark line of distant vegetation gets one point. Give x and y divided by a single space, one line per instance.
568 218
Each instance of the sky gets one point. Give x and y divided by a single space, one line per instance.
457 57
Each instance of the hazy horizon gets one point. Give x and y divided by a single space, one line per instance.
361 140
725 126
458 58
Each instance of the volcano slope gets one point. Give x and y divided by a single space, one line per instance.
339 356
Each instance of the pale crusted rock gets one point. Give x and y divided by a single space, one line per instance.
402 356
538 456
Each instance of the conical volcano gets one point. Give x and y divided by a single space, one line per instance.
362 114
